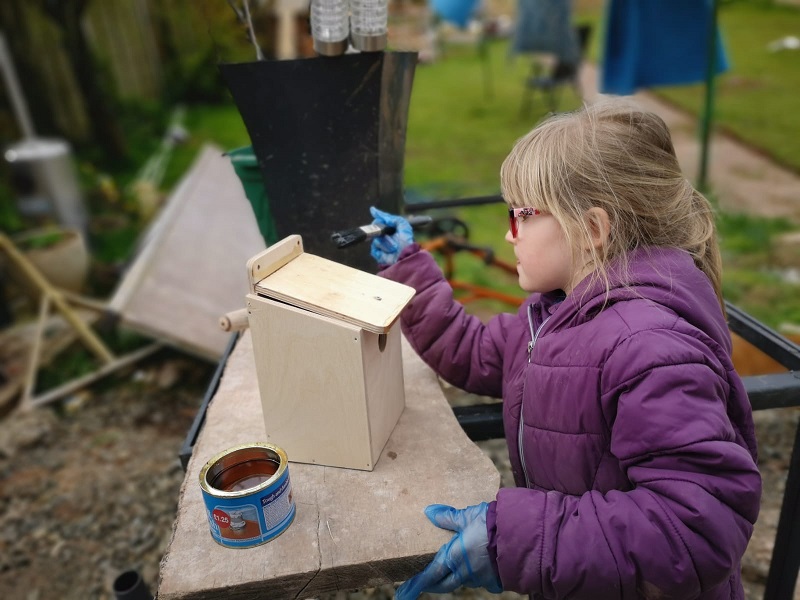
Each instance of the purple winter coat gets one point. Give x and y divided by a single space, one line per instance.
636 456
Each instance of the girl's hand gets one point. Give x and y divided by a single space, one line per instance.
464 560
386 248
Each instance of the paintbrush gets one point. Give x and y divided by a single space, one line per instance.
348 237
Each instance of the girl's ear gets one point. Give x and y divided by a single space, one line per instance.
599 226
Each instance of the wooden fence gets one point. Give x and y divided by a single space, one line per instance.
132 41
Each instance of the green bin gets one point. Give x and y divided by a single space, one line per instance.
245 164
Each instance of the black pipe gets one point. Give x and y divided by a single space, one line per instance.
191 437
453 203
770 342
130 586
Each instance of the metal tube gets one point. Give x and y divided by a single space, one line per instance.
785 563
130 586
767 340
708 109
453 203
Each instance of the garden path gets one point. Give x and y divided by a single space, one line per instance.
744 179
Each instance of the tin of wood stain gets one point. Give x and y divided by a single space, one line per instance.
248 495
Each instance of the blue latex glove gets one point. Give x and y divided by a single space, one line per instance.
464 560
386 248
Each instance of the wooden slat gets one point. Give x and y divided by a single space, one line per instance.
273 258
122 33
66 99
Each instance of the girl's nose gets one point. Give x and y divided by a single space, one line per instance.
509 238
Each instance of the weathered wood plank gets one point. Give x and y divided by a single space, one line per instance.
353 528
191 268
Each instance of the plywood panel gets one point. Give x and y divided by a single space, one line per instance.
191 265
383 368
336 290
311 379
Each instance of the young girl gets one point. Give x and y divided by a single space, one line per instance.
630 434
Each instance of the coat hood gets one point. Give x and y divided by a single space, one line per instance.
665 276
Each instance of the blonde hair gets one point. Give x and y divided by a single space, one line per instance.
618 157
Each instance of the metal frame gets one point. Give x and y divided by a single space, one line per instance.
777 391
187 447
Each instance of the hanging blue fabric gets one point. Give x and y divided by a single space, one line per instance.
649 43
546 26
456 12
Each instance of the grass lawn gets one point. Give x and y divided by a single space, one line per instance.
756 99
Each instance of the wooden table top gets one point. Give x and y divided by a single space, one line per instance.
353 529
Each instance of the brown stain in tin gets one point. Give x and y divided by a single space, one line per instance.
244 475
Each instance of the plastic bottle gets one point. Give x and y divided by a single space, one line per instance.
329 26
368 19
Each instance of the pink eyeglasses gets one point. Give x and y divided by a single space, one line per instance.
515 213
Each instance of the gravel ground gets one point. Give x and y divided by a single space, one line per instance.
89 488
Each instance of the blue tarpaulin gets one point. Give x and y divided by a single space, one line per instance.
650 43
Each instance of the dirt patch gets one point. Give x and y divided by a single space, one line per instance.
91 491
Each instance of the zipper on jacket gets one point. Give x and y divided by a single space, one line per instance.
531 344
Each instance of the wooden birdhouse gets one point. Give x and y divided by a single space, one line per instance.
327 350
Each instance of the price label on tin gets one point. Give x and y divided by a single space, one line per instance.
221 518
